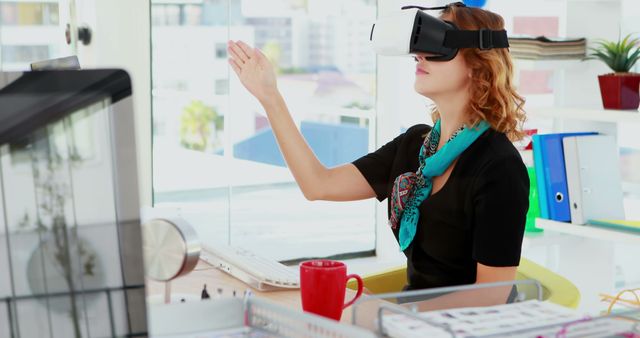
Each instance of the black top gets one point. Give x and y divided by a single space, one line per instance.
478 216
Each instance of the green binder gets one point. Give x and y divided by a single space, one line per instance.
534 202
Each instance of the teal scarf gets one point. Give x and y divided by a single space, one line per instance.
411 189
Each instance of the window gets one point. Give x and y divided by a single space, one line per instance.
19 13
30 31
216 159
222 87
165 15
192 15
221 50
176 14
24 53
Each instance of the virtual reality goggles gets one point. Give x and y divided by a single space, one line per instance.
414 31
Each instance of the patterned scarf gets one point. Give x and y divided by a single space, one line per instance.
411 189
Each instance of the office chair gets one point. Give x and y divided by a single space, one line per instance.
555 288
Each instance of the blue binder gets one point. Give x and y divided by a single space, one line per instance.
552 177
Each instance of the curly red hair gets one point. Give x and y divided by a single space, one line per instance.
493 97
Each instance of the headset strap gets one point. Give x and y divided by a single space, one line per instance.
483 39
453 4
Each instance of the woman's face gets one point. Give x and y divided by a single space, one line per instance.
439 78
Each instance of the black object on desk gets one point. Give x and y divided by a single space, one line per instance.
70 246
204 294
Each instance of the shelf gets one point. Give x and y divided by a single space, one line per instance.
588 231
547 64
585 114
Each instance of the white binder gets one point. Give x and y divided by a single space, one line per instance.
593 178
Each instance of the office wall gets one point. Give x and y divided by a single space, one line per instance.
122 39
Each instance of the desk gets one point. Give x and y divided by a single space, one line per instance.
367 309
205 273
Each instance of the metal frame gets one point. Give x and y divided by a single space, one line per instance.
273 318
426 292
411 314
11 302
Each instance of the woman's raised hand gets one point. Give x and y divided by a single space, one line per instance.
254 70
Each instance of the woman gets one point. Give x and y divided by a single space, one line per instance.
460 219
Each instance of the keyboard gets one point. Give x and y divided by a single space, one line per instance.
258 272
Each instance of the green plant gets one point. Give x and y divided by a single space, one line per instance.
620 56
195 125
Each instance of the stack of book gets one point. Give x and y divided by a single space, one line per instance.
541 47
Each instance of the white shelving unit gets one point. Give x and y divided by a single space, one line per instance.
588 231
585 114
605 121
595 259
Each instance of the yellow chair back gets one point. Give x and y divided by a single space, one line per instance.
555 288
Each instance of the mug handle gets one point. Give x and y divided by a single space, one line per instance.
358 293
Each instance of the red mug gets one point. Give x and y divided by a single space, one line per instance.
323 285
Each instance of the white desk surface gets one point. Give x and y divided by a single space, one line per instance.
204 273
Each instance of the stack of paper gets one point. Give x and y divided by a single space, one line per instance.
528 47
480 321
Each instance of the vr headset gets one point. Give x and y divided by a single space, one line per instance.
413 31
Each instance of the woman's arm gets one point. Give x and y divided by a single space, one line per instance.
317 182
492 274
480 297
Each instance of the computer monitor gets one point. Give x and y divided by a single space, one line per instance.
70 241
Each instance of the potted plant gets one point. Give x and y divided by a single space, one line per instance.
620 89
